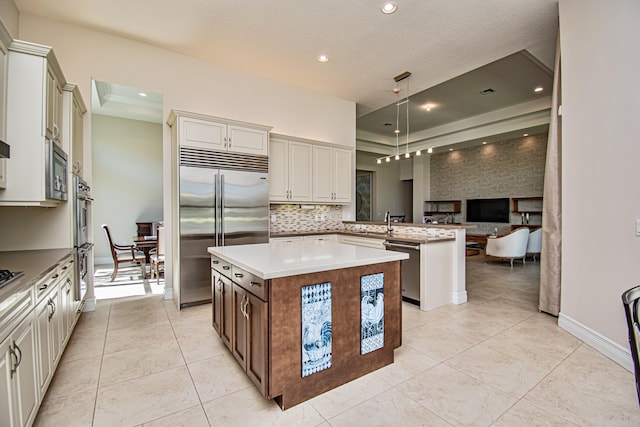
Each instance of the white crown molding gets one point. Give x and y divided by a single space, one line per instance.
5 38
21 46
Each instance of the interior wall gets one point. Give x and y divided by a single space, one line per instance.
193 85
509 168
387 186
127 178
600 153
10 17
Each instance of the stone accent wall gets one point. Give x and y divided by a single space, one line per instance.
291 218
509 168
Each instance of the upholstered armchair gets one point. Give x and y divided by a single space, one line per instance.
534 245
512 246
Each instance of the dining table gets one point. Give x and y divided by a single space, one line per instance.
145 244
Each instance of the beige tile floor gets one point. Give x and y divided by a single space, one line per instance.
492 361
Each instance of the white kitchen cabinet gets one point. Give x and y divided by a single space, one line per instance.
73 109
290 171
53 123
18 375
323 237
285 239
369 242
5 41
332 173
214 133
34 96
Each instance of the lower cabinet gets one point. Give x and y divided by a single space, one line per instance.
222 289
240 317
18 375
249 338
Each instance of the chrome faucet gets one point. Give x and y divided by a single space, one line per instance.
387 219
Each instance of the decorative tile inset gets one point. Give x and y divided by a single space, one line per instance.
316 328
371 312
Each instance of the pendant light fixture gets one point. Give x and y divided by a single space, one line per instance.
396 90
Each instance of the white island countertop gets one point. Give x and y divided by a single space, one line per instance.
273 260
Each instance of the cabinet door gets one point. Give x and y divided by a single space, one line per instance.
3 173
322 176
239 326
26 383
226 329
7 360
203 134
278 170
56 325
50 105
66 307
216 301
300 172
257 348
342 176
43 318
247 140
77 150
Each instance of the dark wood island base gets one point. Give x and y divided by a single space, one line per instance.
267 334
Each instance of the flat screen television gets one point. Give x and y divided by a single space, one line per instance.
488 210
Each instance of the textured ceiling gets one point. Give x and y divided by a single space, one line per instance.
280 39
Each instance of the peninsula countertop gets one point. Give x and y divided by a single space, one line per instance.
273 260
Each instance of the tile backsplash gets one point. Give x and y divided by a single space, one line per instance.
292 218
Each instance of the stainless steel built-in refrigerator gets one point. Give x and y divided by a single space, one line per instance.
224 201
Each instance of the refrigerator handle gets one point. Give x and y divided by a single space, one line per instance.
215 208
222 209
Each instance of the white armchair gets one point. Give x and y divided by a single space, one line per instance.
534 245
511 246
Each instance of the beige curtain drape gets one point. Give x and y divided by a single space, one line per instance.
551 256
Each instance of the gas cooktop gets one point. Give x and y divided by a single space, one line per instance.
6 277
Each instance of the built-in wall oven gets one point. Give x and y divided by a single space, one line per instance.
82 243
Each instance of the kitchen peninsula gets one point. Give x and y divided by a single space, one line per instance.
306 317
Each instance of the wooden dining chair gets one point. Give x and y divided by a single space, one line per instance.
157 259
124 254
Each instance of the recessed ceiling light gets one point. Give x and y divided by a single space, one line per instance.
484 142
389 7
323 58
538 89
450 149
142 94
429 106
525 134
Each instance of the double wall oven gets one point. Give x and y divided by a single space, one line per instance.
82 243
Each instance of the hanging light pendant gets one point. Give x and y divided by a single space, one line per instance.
396 90
398 79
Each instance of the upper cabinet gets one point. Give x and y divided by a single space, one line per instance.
290 172
73 109
214 133
304 171
34 112
5 41
331 175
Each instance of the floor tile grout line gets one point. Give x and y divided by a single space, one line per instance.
104 346
193 383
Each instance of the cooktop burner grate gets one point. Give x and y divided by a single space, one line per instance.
7 277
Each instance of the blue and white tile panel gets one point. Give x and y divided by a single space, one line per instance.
316 328
371 312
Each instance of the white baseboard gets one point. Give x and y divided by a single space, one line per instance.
89 305
459 297
610 349
103 261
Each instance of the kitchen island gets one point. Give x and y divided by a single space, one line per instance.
306 317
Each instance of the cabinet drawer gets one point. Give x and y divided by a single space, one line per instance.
250 282
221 266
